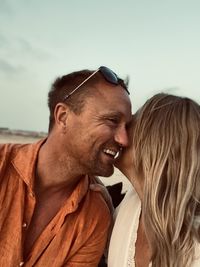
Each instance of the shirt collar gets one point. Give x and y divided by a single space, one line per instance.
25 160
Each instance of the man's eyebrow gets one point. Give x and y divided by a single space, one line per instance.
113 114
118 115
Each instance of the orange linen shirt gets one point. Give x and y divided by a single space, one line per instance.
76 236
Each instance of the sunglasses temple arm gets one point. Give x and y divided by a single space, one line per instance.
82 83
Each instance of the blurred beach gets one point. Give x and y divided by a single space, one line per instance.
22 137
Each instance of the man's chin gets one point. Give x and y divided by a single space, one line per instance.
106 172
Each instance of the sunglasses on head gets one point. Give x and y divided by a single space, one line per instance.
108 75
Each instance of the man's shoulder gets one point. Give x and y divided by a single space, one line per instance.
97 198
96 205
97 202
96 213
9 149
8 153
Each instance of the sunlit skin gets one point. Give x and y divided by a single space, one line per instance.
79 145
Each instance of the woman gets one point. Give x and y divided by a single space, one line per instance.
158 222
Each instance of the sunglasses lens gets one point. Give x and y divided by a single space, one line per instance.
112 77
109 75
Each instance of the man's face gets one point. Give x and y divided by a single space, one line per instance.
94 137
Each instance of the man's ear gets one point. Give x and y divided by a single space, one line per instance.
61 112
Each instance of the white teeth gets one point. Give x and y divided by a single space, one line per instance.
117 154
111 152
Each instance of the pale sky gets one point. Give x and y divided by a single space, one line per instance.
155 42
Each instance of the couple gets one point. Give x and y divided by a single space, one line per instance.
49 216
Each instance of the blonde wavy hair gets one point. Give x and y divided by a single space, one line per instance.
166 142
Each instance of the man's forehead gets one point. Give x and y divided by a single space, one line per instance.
113 92
105 87
111 99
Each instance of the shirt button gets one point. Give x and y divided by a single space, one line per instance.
24 225
21 263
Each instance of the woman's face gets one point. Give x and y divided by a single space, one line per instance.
125 162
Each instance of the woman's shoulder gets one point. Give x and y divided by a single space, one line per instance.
123 238
131 199
128 211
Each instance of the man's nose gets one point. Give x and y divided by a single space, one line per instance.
121 137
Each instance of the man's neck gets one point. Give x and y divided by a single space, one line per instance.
53 171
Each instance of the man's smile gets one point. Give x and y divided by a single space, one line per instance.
112 152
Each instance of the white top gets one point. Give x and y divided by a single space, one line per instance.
122 243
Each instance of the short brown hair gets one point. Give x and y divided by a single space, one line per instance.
64 85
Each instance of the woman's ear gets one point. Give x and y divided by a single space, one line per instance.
61 112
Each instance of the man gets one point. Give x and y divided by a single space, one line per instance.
48 215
